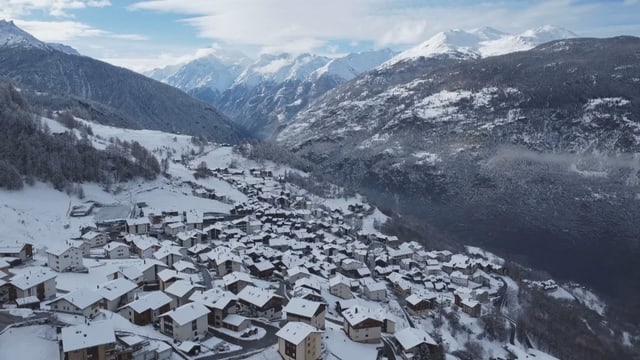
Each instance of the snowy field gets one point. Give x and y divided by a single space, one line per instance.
29 343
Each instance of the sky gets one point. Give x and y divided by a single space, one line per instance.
143 35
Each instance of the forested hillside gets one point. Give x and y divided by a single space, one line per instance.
30 152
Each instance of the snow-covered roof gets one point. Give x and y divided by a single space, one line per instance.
114 245
116 288
181 288
7 248
153 300
339 279
167 250
357 314
87 335
60 248
187 313
373 285
302 307
412 337
236 276
175 225
415 299
137 221
213 298
184 265
81 298
256 296
295 332
222 254
91 235
168 274
263 265
142 241
234 319
32 278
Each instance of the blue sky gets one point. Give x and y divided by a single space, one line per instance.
143 34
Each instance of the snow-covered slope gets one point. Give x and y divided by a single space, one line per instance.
280 68
217 70
352 65
11 35
483 42
263 94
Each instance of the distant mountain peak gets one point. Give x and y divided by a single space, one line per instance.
481 42
12 35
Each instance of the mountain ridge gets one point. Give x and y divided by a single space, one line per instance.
48 75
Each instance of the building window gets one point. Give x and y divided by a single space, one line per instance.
194 325
290 349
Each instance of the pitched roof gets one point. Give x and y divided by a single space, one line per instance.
114 289
412 337
357 314
87 335
236 276
187 313
153 300
81 298
60 248
214 298
256 296
302 307
295 332
32 278
181 288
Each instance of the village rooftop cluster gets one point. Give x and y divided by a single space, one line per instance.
281 265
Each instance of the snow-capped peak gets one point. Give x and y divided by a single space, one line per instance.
547 33
11 35
482 42
349 66
280 68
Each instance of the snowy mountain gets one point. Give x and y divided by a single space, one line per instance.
352 65
483 42
103 92
264 94
538 146
12 36
280 68
217 70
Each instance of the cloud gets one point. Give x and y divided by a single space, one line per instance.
58 8
62 31
311 24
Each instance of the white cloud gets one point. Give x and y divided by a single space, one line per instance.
62 31
310 24
59 8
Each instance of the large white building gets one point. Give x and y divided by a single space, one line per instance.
299 341
64 257
310 312
185 323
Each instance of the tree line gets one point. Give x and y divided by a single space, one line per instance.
29 152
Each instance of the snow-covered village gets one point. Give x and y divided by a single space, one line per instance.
224 259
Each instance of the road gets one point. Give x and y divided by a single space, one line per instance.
248 346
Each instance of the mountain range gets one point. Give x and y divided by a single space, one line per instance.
53 76
533 153
265 94
262 95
